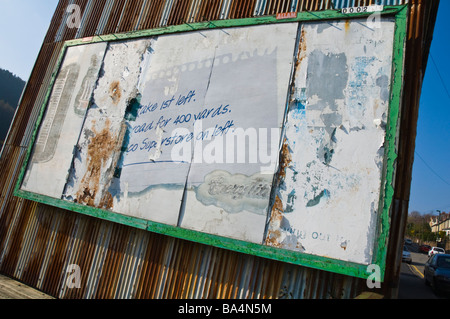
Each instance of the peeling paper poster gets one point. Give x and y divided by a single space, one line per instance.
59 132
174 122
329 187
231 180
271 134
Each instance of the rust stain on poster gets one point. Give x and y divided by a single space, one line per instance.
101 148
115 92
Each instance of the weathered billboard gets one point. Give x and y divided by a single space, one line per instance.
265 136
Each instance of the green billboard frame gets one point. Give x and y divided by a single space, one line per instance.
400 13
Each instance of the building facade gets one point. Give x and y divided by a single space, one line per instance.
440 223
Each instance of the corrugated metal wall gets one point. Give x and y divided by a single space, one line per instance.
38 242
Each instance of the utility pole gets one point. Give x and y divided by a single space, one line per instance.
439 226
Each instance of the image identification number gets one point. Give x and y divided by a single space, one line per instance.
366 9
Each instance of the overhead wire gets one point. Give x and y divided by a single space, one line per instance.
431 169
440 76
448 94
418 155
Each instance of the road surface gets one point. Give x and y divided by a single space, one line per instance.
412 283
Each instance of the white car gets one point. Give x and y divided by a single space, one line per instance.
435 250
406 256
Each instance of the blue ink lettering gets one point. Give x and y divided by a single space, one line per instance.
222 130
132 148
148 108
143 128
182 100
148 145
183 119
167 103
212 112
162 123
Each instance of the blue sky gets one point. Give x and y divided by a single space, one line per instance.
430 190
23 26
24 23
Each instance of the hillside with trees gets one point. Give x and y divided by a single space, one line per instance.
11 87
418 227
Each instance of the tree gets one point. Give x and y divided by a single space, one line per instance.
418 227
11 88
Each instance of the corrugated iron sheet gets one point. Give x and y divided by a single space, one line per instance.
38 242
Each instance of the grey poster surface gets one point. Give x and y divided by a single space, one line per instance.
270 134
163 127
328 191
63 120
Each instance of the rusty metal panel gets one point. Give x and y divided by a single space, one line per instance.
109 16
105 12
123 134
268 279
90 24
